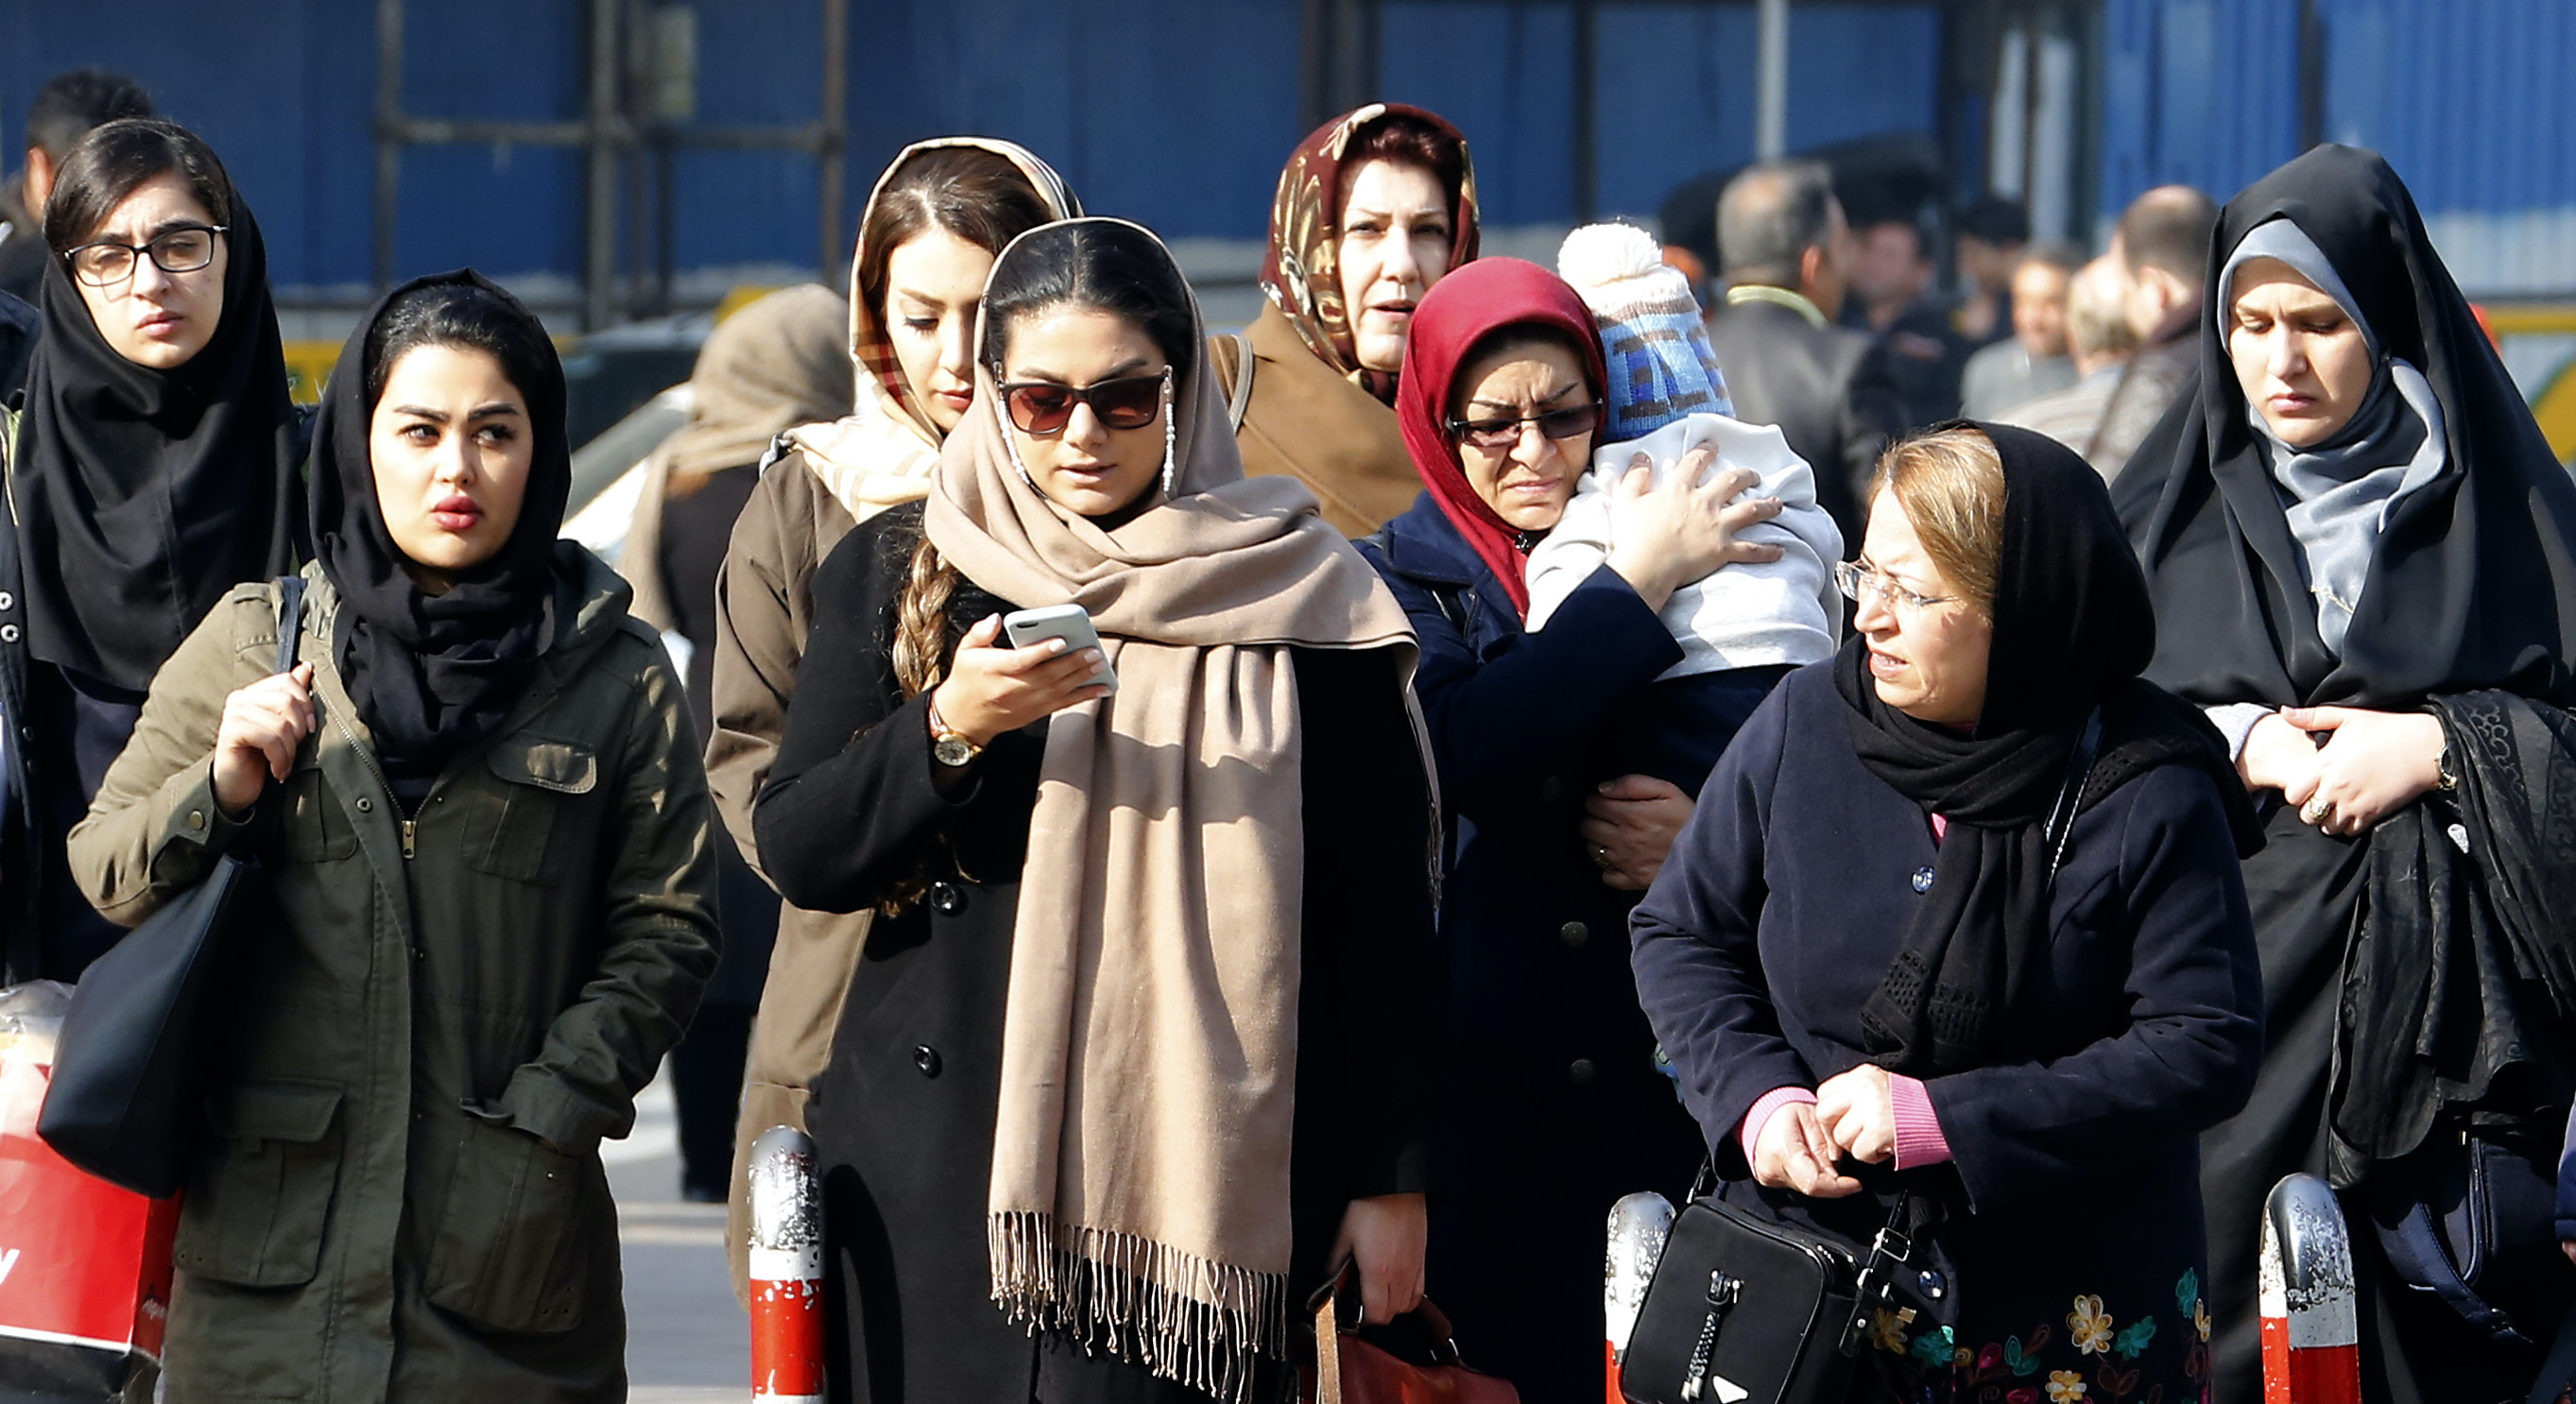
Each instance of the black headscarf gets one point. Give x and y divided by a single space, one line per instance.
2072 630
2474 581
434 674
142 494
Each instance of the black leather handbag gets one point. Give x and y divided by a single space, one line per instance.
1744 1309
130 1072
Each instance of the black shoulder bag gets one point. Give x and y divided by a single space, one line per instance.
130 1070
1745 1309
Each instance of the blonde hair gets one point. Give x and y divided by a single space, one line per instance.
1950 484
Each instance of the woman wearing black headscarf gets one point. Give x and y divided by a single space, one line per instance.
2376 555
492 862
1877 962
154 469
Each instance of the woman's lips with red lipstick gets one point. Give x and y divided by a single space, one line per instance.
456 513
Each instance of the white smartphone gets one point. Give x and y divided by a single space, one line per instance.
1069 622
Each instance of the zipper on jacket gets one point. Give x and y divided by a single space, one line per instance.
409 826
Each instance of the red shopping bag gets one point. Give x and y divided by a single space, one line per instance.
84 1266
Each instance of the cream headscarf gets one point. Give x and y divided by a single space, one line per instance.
881 454
1139 1198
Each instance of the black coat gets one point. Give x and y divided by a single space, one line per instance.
2074 1175
20 325
1556 1105
1831 390
903 1114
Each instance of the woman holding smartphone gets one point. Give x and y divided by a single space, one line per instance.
1231 855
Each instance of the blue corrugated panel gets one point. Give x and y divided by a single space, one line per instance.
2197 92
1504 73
1674 96
2468 98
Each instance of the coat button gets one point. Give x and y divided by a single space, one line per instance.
926 1058
8 633
1580 1070
7 600
1574 934
196 818
1922 881
945 899
366 805
1934 1286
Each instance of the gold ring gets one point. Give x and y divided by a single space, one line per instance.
2313 810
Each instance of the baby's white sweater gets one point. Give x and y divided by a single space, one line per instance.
1740 616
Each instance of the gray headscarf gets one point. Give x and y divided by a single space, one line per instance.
2343 490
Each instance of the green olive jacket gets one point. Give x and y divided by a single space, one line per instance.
401 1195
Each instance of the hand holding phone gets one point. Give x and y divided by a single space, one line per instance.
1069 622
993 687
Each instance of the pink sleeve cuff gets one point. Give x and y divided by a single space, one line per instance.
1919 1140
1751 1132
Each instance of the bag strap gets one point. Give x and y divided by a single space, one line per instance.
1240 403
290 620
2079 771
2416 1252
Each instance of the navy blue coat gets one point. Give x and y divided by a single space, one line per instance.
1556 1105
2076 1168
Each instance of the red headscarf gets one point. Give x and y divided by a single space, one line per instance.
1460 311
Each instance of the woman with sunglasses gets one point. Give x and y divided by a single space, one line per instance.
1138 1050
940 212
152 469
1556 1107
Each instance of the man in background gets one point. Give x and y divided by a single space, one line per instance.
2031 362
1988 243
1891 279
1782 252
2162 242
65 110
2100 342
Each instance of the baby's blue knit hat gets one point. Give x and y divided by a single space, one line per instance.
1661 368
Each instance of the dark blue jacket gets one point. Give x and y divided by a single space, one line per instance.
1777 916
1555 1105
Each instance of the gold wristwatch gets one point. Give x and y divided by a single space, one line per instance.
949 748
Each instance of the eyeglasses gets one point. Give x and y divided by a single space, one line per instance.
1044 407
182 250
1858 581
1506 433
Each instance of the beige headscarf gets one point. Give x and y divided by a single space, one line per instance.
1139 1198
881 454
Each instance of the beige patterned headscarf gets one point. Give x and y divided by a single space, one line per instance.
881 454
1139 1198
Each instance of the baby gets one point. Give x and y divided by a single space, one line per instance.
1744 626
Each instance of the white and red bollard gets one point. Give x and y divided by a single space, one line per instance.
786 1269
1639 1224
2311 1314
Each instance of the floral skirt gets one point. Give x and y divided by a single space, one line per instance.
2098 1351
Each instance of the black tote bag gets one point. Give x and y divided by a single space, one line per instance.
129 1082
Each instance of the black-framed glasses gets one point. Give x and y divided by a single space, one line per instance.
185 249
1858 581
1044 407
1504 433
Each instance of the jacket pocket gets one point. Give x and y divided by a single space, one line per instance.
316 830
509 1251
541 779
261 1198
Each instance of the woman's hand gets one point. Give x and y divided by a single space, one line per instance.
1629 826
992 688
1671 533
2278 756
1384 1237
262 725
2372 765
1792 1152
1858 1113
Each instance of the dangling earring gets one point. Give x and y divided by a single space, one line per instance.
1010 446
1170 433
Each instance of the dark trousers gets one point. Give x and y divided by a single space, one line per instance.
706 1081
